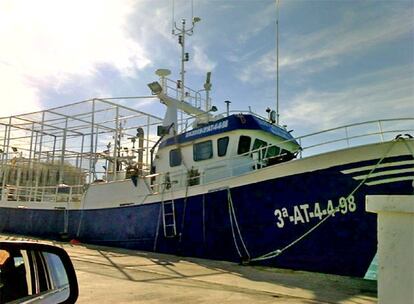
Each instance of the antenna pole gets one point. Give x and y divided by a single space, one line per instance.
277 62
172 18
181 33
182 59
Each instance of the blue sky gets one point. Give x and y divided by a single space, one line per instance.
340 61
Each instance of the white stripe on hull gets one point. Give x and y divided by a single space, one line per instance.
366 168
390 180
384 173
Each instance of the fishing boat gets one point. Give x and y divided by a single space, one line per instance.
234 186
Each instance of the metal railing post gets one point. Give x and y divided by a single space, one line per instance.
380 130
92 141
115 155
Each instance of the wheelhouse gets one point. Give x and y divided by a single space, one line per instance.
227 147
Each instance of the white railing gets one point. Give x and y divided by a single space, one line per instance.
236 166
356 134
314 143
191 96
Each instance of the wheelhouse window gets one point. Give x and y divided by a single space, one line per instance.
258 143
175 157
273 151
203 150
244 144
222 144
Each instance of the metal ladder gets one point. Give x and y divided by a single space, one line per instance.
168 219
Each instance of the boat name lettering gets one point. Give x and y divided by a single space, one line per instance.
217 126
304 213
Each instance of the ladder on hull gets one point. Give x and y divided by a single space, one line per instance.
168 219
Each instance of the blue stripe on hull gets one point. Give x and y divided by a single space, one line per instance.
345 244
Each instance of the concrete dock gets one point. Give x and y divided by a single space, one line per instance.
112 275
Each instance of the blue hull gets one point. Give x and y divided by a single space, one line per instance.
270 215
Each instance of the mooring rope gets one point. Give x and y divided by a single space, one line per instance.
232 215
184 209
277 252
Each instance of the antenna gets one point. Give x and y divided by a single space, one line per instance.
192 9
277 62
181 32
207 88
172 17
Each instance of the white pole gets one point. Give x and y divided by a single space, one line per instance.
277 62
182 58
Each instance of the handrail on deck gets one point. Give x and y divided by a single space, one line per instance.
347 128
51 194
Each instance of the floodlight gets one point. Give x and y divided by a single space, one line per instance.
213 109
196 19
155 88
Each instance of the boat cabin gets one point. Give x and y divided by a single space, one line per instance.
223 148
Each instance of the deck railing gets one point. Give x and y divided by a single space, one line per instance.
356 134
318 142
49 194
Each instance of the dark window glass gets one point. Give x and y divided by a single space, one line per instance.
273 151
244 144
258 144
203 150
175 157
222 144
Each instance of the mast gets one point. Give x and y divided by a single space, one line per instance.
182 71
181 33
170 122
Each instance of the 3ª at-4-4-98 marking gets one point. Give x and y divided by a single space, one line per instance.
303 213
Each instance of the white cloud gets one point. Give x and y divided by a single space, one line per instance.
201 61
51 41
263 68
346 38
259 21
388 94
51 37
17 97
313 52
